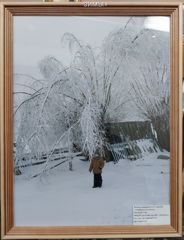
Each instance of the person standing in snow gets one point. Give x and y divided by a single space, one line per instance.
97 163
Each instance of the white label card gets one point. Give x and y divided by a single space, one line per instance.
151 214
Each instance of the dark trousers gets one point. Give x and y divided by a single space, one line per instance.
97 180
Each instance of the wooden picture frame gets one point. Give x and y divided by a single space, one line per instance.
148 8
183 147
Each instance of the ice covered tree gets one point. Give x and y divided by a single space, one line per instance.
41 112
96 75
146 70
152 94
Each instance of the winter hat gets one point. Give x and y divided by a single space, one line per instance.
97 153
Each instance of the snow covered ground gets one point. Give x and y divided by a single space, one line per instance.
67 198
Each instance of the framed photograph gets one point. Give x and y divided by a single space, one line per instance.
91 120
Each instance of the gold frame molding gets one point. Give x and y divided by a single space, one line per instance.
183 140
147 8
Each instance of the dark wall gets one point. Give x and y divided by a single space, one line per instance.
131 130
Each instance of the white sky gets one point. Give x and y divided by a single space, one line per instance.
37 37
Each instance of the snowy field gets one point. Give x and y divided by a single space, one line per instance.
67 198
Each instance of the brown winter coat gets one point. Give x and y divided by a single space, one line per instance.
96 165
